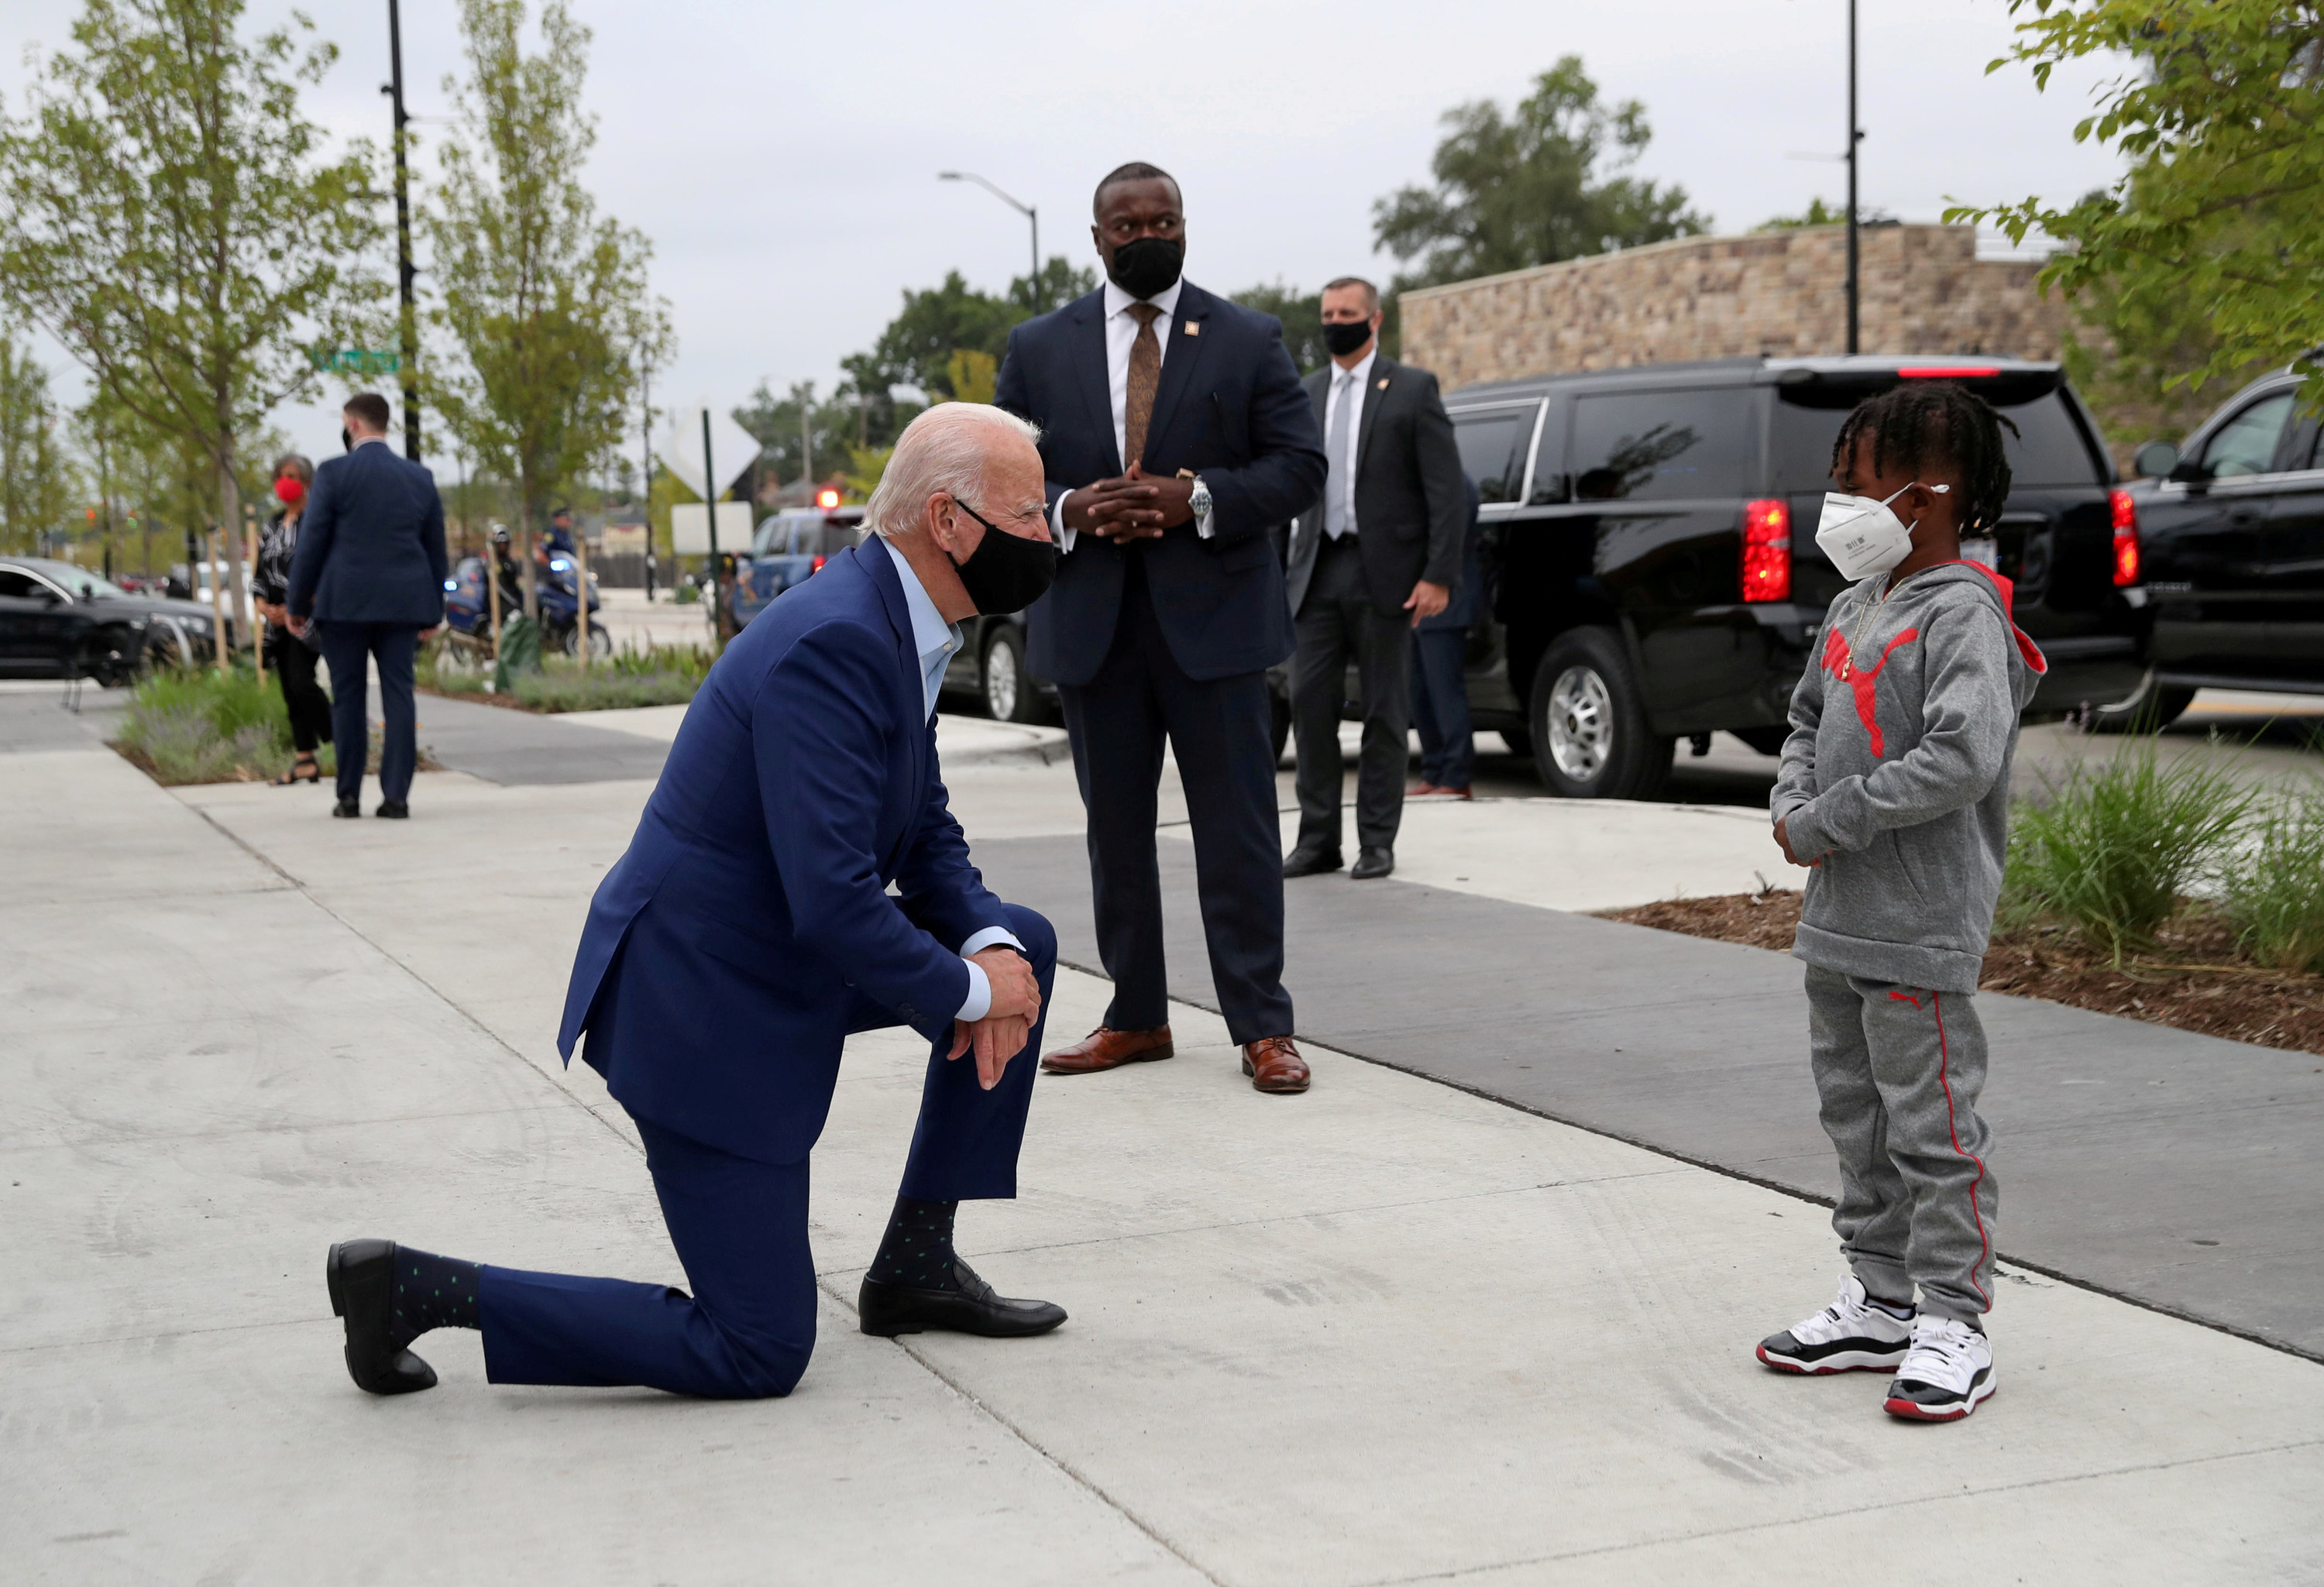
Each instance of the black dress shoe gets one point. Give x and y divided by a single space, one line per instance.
347 809
886 1310
392 810
1372 862
1310 861
360 1274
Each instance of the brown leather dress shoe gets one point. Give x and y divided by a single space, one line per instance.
1274 1065
1107 1048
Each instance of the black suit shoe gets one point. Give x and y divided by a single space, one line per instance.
348 809
360 1274
1304 861
1372 862
392 810
886 1310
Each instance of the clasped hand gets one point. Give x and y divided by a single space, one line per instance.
1130 507
1001 1035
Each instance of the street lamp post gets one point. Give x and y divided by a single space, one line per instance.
1027 210
1854 138
409 314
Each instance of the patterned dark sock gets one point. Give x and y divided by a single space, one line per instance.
432 1292
917 1250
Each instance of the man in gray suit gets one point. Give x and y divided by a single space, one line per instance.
1366 566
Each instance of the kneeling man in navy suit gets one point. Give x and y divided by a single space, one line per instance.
746 934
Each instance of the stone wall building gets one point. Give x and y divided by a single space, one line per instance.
1781 293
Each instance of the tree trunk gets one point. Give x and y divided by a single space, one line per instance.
531 578
230 522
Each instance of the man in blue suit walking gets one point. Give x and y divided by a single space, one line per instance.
1176 434
369 572
748 932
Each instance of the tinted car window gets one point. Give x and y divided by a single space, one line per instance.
2048 450
17 585
1659 446
1493 442
2247 443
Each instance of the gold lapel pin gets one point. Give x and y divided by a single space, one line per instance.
1194 327
1383 382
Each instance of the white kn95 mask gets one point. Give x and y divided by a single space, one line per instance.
1863 536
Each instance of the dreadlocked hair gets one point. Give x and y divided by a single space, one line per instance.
1938 421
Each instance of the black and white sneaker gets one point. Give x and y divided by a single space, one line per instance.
1854 1333
1948 1373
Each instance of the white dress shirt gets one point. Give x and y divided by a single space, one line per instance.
935 642
1342 476
1121 335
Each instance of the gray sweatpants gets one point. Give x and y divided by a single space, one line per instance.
1899 1069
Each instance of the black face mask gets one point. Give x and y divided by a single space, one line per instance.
1344 337
1007 572
1148 266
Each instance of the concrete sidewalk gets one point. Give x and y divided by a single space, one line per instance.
1389 1332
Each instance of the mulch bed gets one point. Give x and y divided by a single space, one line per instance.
144 762
2195 980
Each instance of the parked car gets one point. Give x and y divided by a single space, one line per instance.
789 547
1651 571
58 620
2231 549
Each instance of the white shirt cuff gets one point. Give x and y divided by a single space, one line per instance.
1066 537
1203 524
979 1001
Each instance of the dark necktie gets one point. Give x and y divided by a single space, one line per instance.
1145 377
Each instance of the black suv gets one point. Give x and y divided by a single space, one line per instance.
60 620
2231 532
1651 571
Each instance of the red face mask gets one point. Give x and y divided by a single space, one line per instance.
289 489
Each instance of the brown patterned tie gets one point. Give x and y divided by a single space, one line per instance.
1145 376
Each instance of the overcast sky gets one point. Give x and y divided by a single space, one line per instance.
783 159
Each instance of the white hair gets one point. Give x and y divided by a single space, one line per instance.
943 452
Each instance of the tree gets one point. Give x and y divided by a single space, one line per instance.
1524 190
37 484
832 429
2209 248
166 215
545 303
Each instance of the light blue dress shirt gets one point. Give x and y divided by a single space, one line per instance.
935 642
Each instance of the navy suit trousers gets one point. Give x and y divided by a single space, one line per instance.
1223 732
1440 706
347 647
740 1229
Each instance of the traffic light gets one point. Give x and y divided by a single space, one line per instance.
828 497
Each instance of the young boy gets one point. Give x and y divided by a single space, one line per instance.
1895 791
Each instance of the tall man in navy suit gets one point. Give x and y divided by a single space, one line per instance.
1175 434
748 931
369 570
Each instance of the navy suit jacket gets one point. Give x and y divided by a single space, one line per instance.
749 927
1230 409
370 543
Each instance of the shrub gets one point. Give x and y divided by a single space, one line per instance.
2274 886
2111 849
200 725
632 676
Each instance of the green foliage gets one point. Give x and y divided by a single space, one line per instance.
632 676
169 216
834 427
2111 849
545 303
2272 885
686 594
2218 224
917 347
1527 189
1817 213
211 726
37 486
1301 314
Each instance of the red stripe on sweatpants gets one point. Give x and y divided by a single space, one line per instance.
1953 1126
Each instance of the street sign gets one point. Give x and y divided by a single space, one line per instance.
732 450
358 361
689 527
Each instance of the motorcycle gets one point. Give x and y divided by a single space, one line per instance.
468 616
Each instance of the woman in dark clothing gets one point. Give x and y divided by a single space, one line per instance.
291 657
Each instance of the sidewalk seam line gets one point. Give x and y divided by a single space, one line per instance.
2161 1308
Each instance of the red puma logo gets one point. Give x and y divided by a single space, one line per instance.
1860 681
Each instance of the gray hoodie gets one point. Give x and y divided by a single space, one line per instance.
1896 775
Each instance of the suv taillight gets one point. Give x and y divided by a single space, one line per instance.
1767 551
817 565
2125 538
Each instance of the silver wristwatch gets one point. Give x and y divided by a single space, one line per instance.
1200 498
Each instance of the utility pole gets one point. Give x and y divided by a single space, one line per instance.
645 479
806 442
409 312
1855 303
1033 282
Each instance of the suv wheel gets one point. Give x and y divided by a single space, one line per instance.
1589 735
1008 695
